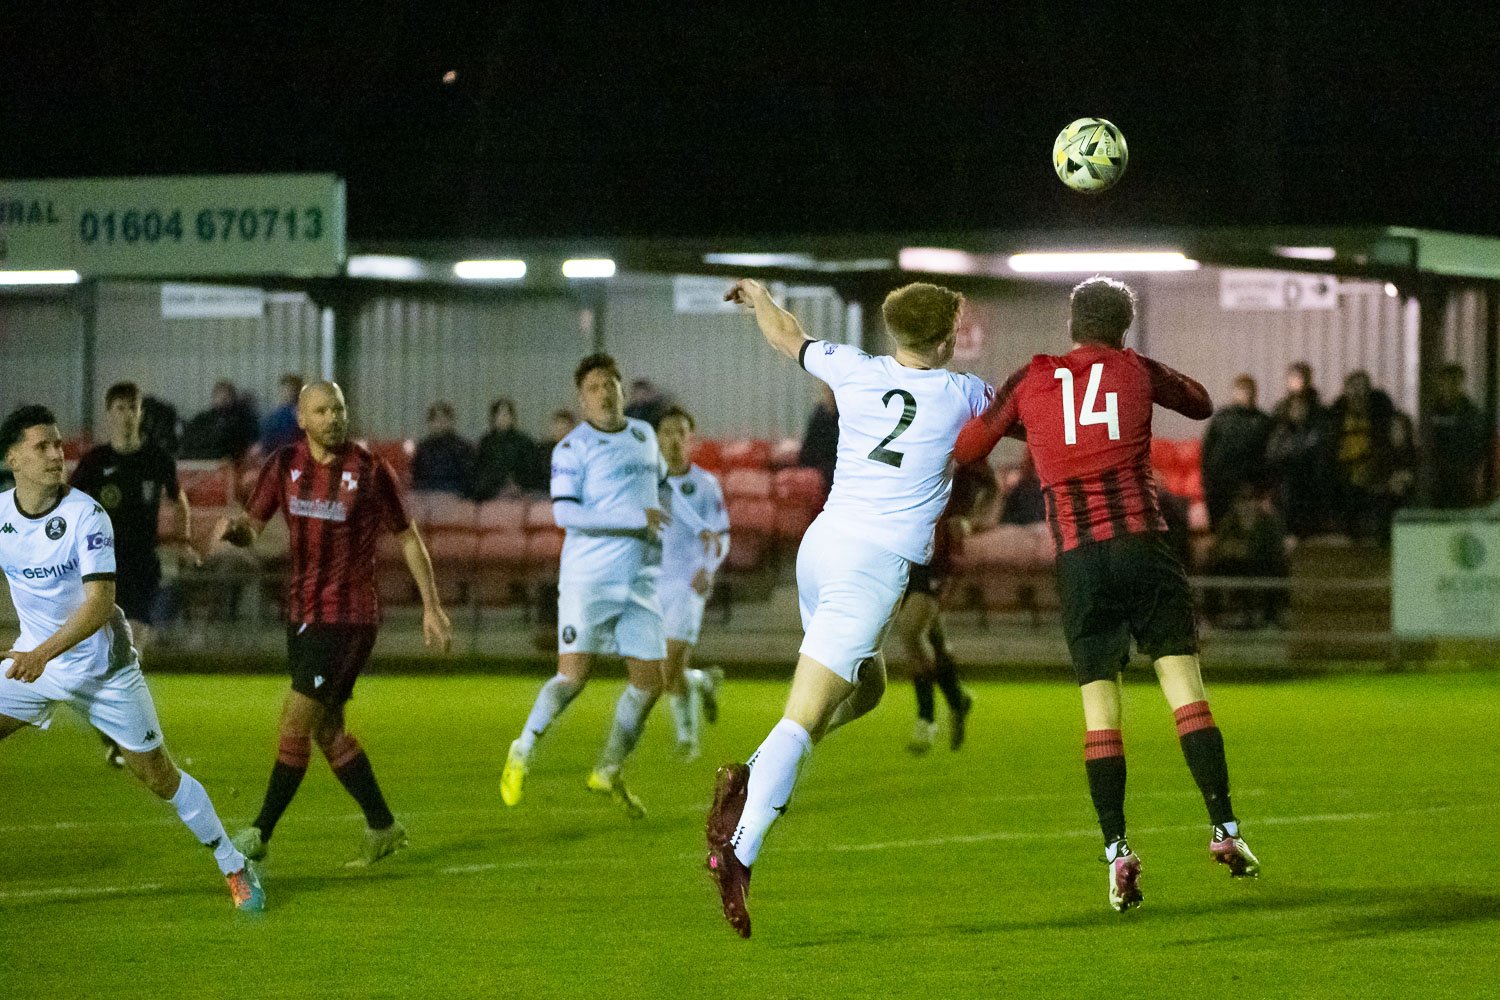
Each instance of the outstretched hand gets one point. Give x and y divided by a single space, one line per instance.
745 291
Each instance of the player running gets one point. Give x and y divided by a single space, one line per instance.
1087 418
607 474
694 545
898 418
58 549
336 497
917 632
129 477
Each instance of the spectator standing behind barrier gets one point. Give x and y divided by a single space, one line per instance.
507 458
443 461
1248 542
1364 454
1298 462
1234 449
1023 503
1457 443
279 427
820 441
160 425
1299 389
226 429
646 402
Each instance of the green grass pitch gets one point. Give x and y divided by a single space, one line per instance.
1370 800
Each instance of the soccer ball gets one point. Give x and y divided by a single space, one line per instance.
1089 155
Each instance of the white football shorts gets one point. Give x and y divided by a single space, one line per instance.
848 591
119 704
682 611
610 617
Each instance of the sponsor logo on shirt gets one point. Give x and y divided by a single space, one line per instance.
43 572
99 540
829 348
56 528
322 510
638 434
8 529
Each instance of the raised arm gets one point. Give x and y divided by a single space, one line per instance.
781 329
1177 392
980 435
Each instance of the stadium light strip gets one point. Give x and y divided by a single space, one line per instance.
1079 263
1306 253
40 277
490 270
589 267
376 265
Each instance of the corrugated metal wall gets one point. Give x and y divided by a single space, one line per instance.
1464 324
409 352
180 359
1183 325
41 356
717 366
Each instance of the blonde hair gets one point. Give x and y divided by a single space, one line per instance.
921 315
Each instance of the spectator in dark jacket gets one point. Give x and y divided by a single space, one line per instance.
226 429
1249 542
507 458
1234 449
1458 443
820 441
1299 464
1023 503
1365 466
443 461
160 425
646 402
279 427
558 426
1299 386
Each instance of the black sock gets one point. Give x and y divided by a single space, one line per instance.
1104 760
922 684
1203 746
352 768
946 672
285 779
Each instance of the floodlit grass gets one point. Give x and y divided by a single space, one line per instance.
1369 800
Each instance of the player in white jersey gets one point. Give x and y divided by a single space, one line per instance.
694 545
58 551
898 419
607 474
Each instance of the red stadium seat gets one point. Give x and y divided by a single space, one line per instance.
747 553
539 516
544 548
207 483
792 521
445 512
756 483
801 486
753 516
706 454
785 453
749 453
398 453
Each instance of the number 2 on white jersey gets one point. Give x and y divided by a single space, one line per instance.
1109 416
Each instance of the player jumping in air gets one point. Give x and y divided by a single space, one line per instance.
607 474
898 418
58 549
336 497
1087 418
694 545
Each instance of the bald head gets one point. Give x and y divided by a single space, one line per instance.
322 413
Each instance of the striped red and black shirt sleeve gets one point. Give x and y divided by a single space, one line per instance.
265 500
1003 416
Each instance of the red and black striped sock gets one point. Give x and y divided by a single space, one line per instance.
352 768
292 756
1203 746
1104 760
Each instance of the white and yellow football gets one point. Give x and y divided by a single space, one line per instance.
1090 155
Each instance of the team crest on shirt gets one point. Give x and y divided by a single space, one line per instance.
569 634
638 434
56 528
110 496
351 481
689 488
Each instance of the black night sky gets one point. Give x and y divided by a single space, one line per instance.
621 118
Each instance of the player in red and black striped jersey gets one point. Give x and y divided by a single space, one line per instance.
337 497
1086 416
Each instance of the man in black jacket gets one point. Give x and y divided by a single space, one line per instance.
1234 450
1458 442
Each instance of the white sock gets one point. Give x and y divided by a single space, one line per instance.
773 775
197 814
630 718
697 682
682 718
554 696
